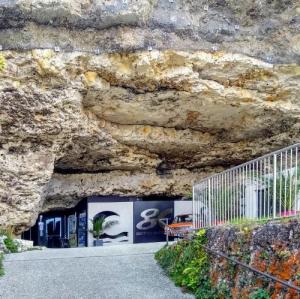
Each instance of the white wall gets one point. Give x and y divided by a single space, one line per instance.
297 203
251 202
183 207
125 220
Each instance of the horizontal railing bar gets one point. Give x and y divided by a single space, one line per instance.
249 162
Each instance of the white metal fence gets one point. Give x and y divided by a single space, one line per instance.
265 188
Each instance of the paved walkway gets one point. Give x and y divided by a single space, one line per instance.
115 272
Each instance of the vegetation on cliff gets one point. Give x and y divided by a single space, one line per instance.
191 268
271 247
188 265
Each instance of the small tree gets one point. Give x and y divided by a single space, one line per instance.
100 225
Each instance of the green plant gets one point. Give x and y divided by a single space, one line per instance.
264 255
9 241
10 245
244 222
228 200
223 290
283 254
247 257
73 241
243 281
287 187
99 225
188 264
231 268
259 294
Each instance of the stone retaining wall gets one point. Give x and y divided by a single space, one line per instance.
273 248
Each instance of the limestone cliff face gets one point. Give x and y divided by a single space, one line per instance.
133 105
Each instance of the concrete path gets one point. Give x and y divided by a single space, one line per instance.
115 272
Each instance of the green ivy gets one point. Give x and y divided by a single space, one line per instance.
260 294
187 264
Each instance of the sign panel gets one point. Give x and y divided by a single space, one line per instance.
72 230
147 227
82 229
120 213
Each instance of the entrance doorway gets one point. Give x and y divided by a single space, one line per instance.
60 229
54 232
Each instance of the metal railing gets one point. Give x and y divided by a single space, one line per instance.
261 189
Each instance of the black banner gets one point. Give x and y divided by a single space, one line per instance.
146 224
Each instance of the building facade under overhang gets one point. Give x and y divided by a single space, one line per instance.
135 220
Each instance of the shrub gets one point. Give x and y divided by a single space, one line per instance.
10 245
187 264
9 241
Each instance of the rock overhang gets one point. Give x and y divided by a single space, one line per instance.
268 30
156 108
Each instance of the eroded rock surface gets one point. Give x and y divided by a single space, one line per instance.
267 29
159 106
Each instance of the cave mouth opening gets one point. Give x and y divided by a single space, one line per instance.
135 220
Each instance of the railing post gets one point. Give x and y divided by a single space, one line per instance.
274 184
209 203
167 236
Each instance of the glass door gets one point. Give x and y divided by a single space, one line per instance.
54 232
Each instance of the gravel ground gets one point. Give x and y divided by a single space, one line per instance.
123 271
